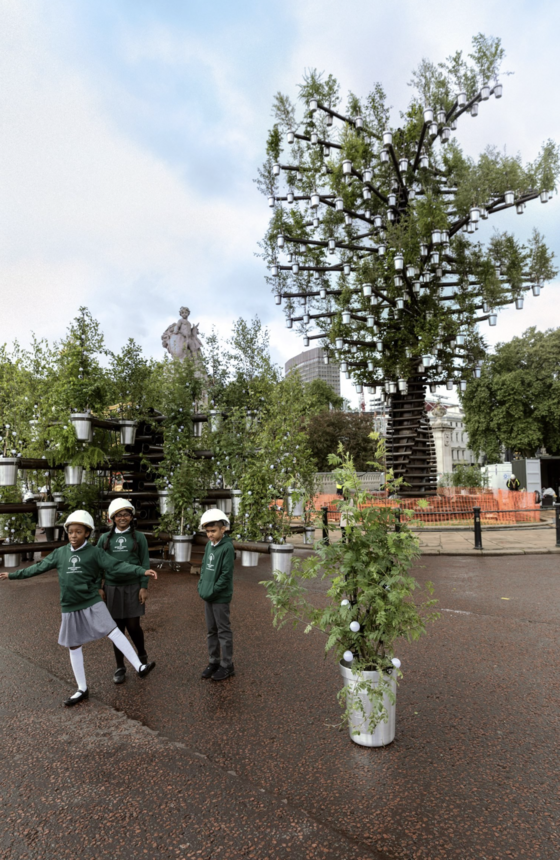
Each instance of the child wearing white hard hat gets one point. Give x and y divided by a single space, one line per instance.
215 586
85 617
126 596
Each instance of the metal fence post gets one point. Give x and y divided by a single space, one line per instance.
398 519
325 511
477 529
557 506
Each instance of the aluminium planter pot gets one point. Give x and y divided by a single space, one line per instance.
281 555
224 505
58 498
182 547
47 514
8 471
82 426
128 432
236 501
166 506
12 559
73 475
309 535
249 559
295 509
214 420
384 732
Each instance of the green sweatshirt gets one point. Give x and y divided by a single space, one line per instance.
121 547
216 573
79 574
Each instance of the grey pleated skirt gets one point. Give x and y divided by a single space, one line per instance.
123 601
85 625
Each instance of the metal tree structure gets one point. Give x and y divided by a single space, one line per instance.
371 246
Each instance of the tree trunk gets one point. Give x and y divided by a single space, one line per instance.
410 445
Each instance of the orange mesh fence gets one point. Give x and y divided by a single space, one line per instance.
497 507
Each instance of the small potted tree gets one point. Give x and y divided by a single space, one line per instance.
130 375
371 603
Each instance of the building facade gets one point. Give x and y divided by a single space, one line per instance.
311 365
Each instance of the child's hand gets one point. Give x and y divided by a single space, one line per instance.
4 575
150 573
102 595
143 595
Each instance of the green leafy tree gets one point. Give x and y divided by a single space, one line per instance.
328 429
516 402
323 396
130 374
379 222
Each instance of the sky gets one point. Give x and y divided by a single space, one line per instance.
131 133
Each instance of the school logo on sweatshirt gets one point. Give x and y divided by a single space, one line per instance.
121 545
210 563
74 562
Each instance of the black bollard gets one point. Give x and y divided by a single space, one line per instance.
398 519
477 529
557 506
325 511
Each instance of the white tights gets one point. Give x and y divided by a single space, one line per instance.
77 658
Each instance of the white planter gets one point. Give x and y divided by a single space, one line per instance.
249 559
224 505
182 547
47 514
236 501
128 432
8 471
281 555
12 559
309 535
58 498
214 420
166 506
385 731
295 509
82 426
73 475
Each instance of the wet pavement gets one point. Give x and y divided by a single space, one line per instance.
473 772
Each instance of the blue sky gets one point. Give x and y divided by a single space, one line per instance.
131 133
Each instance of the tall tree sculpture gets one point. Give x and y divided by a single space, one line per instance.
371 238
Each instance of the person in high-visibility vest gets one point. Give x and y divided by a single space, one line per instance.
513 483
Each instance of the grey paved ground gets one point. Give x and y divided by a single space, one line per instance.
473 772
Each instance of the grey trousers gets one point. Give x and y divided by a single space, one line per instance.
219 633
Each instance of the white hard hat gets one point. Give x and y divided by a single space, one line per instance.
214 515
81 517
120 505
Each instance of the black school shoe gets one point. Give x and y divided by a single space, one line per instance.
84 694
223 673
120 676
210 670
146 669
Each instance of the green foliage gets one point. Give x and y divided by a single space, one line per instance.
464 476
516 402
328 429
15 528
323 396
369 581
130 375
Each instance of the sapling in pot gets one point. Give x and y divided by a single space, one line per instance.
371 597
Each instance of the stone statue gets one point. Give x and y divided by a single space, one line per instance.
181 338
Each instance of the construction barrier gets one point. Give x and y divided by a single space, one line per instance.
497 507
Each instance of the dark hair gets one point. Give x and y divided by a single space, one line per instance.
109 535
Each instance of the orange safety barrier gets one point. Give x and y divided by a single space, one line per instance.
497 507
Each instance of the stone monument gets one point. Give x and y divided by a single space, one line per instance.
181 338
